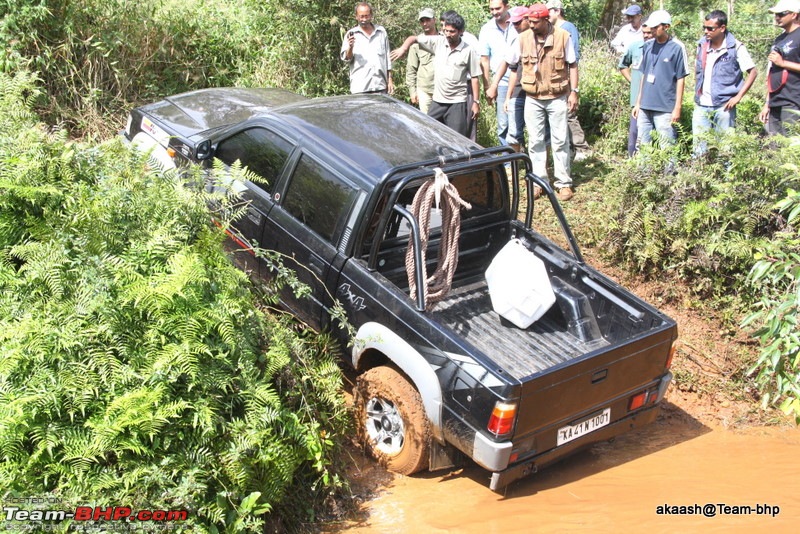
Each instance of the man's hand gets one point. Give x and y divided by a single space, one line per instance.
390 87
414 99
730 104
491 93
764 115
776 59
398 53
635 112
676 115
476 109
572 101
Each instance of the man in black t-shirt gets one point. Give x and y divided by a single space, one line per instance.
783 76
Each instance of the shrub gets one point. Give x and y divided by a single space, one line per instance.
776 276
136 368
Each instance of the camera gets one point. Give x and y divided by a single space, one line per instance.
777 49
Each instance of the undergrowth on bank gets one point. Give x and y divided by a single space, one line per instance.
136 368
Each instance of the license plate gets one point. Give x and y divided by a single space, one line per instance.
571 432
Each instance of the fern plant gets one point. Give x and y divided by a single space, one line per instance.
136 366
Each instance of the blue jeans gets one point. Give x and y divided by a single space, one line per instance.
516 120
502 116
661 122
705 118
633 133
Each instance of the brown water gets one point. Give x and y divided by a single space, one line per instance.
613 487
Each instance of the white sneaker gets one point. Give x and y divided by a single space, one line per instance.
582 155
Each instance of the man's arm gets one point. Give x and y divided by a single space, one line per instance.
491 89
512 82
476 97
347 46
397 53
412 65
486 73
572 99
748 83
676 113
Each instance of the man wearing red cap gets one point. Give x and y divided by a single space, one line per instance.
550 81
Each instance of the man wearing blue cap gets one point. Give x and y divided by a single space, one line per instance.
631 32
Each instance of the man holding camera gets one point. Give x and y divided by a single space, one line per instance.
783 76
366 49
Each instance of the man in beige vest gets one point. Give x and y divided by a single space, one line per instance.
550 80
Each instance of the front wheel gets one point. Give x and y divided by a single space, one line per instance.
391 420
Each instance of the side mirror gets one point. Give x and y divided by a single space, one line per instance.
203 150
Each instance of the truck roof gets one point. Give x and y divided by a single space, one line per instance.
374 131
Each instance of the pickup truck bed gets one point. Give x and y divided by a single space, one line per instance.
519 352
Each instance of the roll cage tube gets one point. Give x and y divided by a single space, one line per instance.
426 173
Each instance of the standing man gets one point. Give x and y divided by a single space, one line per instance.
629 67
663 79
514 104
366 49
494 39
577 138
550 81
419 69
720 84
631 32
454 61
783 74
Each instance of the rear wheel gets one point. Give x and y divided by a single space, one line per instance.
391 420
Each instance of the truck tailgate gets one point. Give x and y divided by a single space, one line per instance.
567 392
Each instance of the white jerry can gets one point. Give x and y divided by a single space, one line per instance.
518 285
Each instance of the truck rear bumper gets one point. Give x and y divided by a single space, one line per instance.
500 479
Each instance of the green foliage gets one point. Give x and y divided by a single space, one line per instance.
776 275
135 364
702 223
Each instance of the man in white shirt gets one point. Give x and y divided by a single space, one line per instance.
366 49
631 32
493 40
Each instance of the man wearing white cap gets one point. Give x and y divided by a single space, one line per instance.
783 75
631 32
664 74
419 67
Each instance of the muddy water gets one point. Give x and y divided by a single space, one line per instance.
613 487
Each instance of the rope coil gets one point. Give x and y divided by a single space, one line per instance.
438 284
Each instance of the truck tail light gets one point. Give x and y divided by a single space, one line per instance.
171 152
502 420
672 350
637 401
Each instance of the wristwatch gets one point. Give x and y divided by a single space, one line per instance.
575 90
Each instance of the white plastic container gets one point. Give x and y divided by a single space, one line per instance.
518 285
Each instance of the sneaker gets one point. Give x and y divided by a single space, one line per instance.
564 194
537 192
582 155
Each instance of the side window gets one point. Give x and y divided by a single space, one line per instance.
263 152
318 198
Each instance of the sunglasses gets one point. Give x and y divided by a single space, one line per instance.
781 15
710 28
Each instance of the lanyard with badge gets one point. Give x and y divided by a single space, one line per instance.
651 75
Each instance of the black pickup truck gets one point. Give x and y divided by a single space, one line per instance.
436 380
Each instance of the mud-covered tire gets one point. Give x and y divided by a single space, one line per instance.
391 420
